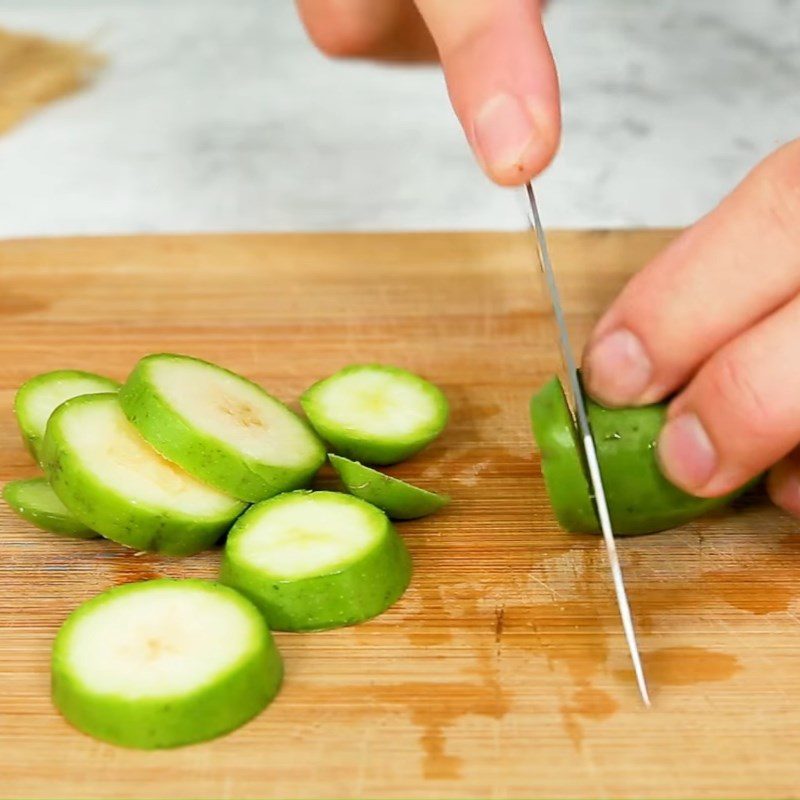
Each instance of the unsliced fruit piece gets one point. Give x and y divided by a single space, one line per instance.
640 498
164 663
35 501
117 485
376 414
39 397
400 500
314 560
221 428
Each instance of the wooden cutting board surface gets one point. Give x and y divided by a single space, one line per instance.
502 672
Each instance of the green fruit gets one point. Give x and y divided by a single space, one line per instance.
39 397
35 501
640 498
376 414
221 428
116 484
562 464
400 500
315 560
164 663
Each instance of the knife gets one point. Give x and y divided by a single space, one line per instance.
575 392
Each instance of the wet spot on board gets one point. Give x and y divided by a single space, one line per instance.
572 635
433 706
429 638
131 567
590 703
594 703
745 591
429 623
499 623
438 765
685 666
14 303
760 591
445 704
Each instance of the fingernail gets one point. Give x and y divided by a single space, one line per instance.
617 369
504 131
686 453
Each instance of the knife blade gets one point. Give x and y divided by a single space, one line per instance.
575 390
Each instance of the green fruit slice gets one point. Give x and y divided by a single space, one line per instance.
562 462
400 500
376 414
35 501
315 560
39 397
221 428
640 499
164 663
116 484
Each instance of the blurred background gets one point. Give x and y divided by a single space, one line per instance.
219 116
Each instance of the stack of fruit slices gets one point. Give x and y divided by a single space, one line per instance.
182 454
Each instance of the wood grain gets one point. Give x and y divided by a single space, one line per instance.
503 672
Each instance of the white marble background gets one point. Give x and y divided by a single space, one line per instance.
218 115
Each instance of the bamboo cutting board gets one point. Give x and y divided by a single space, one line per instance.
503 671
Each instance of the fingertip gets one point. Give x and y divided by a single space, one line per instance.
514 138
783 486
687 456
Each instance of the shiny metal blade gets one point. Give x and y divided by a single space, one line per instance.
590 451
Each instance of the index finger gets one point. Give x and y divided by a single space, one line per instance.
718 279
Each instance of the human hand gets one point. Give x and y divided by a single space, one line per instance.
716 317
498 66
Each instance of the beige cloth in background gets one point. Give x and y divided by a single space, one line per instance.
35 70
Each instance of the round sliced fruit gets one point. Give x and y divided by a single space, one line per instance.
400 500
39 397
221 428
117 485
35 501
561 460
314 560
640 498
376 414
164 663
